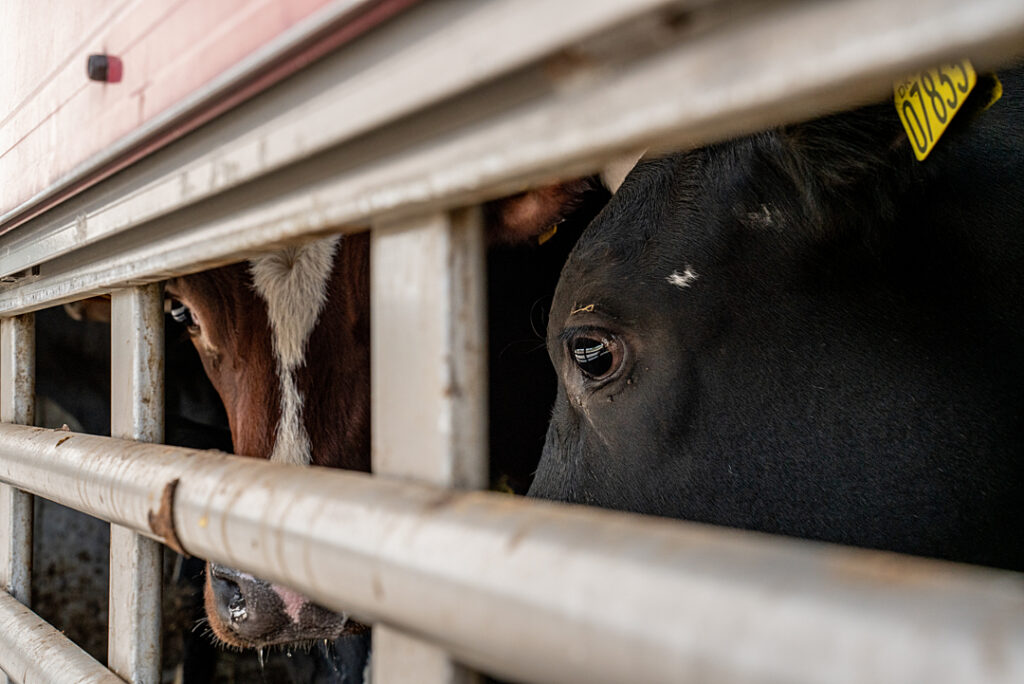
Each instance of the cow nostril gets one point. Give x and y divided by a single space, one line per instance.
228 593
236 608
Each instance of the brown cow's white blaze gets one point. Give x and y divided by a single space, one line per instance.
293 283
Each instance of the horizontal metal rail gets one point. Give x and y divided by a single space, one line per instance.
584 595
214 95
33 652
374 84
558 116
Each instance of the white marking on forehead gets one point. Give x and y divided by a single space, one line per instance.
684 279
291 444
293 283
761 219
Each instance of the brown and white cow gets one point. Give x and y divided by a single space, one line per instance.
285 339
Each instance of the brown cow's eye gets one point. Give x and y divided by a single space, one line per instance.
183 314
597 357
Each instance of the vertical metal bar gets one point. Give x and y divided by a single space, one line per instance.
429 371
17 405
137 412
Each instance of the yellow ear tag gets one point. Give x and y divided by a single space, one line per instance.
547 234
927 101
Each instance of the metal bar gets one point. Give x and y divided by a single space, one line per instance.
33 652
17 405
137 412
376 83
398 657
429 398
137 364
584 595
742 75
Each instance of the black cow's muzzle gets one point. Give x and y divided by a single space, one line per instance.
248 612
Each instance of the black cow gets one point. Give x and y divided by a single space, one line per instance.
807 332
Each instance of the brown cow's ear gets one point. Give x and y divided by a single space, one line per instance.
530 215
92 309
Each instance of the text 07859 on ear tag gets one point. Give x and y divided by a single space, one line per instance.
927 101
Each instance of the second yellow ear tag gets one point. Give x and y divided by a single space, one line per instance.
547 234
927 101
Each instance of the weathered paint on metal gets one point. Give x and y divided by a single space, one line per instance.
137 363
584 595
137 412
399 658
430 398
17 405
33 652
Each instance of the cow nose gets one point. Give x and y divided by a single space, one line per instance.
230 600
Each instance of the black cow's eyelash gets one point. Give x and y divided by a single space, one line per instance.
574 331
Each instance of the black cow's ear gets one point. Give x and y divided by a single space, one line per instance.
845 149
531 215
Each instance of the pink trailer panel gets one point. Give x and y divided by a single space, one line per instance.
61 132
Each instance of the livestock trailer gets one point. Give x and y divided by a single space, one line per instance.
144 140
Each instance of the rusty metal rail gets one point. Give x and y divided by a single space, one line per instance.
474 572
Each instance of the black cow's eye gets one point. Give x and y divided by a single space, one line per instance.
183 314
597 357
